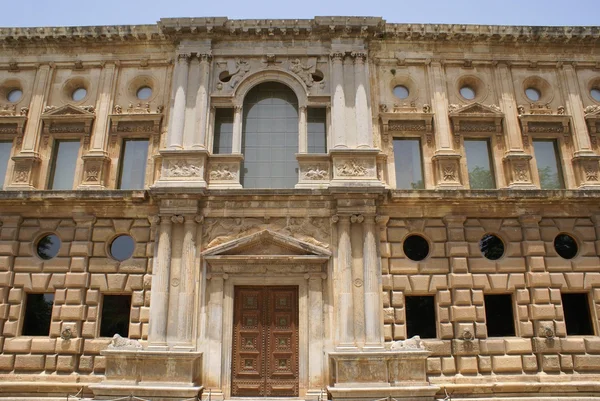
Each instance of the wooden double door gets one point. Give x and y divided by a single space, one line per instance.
265 342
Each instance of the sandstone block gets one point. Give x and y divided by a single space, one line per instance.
461 280
72 346
434 365
74 296
493 346
446 331
76 280
538 279
536 263
29 362
65 363
484 363
572 345
86 363
7 363
116 282
17 345
518 346
530 363
448 365
99 364
463 313
467 365
459 264
134 282
397 299
586 363
72 312
103 265
78 264
94 346
43 345
462 297
507 364
540 295
566 363
540 312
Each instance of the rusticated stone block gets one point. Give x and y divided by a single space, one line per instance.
572 345
50 365
72 346
397 299
434 366
586 363
43 345
7 363
538 279
463 313
493 346
507 364
530 363
550 363
460 280
467 365
566 363
94 346
484 363
30 362
448 365
462 297
86 363
134 282
17 345
518 346
540 312
76 280
9 247
78 264
116 282
592 344
72 312
65 363
74 296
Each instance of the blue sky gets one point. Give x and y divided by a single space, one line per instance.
114 12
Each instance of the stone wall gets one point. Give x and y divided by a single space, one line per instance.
79 276
458 276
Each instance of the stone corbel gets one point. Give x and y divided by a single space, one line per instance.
592 118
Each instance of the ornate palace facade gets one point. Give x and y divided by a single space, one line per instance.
269 208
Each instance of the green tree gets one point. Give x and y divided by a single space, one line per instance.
481 178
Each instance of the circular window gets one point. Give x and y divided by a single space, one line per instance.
491 247
317 76
467 92
78 94
565 246
595 92
14 95
401 92
48 246
144 93
416 247
224 76
122 247
533 94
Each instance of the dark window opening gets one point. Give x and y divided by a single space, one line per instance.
565 246
420 316
223 141
38 314
115 315
416 247
491 247
499 315
577 314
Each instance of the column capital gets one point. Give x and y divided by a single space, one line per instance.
357 218
184 57
382 220
337 56
154 220
205 57
359 57
177 219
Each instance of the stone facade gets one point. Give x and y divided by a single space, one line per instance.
338 235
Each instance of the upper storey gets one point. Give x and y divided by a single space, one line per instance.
328 102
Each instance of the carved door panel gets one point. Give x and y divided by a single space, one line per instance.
265 342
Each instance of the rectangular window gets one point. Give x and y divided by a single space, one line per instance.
409 164
576 308
499 315
481 175
64 161
223 131
38 314
134 157
548 164
5 148
420 316
316 121
116 310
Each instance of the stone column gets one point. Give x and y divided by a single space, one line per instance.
338 101
201 123
302 130
26 162
316 377
361 103
357 241
175 135
343 272
159 297
97 158
185 310
585 161
350 139
214 331
236 147
446 159
191 98
372 277
516 161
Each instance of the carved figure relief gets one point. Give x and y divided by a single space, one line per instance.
223 172
242 68
315 173
315 231
352 168
303 71
182 168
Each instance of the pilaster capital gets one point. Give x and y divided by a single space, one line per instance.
154 220
337 56
334 219
177 219
205 57
238 108
190 219
199 219
359 57
357 218
184 57
382 220
596 219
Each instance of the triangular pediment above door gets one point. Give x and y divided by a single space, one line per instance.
267 243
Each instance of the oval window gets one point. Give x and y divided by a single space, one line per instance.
491 247
48 246
122 247
533 94
401 92
565 246
467 92
79 94
595 92
14 95
144 93
416 247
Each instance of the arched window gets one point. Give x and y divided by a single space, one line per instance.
270 137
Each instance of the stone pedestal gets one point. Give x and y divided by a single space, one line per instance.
587 170
224 171
355 167
374 375
154 375
517 170
183 169
95 171
315 170
447 170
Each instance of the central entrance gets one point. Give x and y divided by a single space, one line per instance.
265 341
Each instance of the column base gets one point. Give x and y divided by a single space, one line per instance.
154 375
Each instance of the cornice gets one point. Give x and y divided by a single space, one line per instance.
338 26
